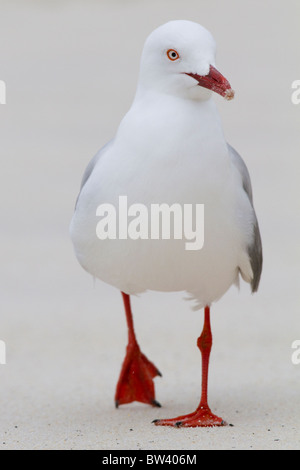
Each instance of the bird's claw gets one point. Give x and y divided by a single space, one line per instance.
202 417
136 379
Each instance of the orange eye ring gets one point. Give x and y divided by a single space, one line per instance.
172 55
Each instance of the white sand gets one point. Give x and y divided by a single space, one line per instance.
70 70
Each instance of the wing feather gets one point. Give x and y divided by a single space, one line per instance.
255 249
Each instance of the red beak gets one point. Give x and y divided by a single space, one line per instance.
214 81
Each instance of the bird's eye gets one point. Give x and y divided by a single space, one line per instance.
172 54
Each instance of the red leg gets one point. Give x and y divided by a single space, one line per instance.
137 373
203 415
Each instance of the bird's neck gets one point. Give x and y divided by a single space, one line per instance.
168 122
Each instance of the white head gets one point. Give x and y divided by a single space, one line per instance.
178 57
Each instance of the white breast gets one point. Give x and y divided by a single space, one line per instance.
167 157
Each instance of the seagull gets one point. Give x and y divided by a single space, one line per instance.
170 149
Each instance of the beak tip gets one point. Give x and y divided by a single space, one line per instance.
229 94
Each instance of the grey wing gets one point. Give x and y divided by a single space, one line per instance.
89 169
255 249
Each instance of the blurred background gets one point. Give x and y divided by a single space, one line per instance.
70 69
